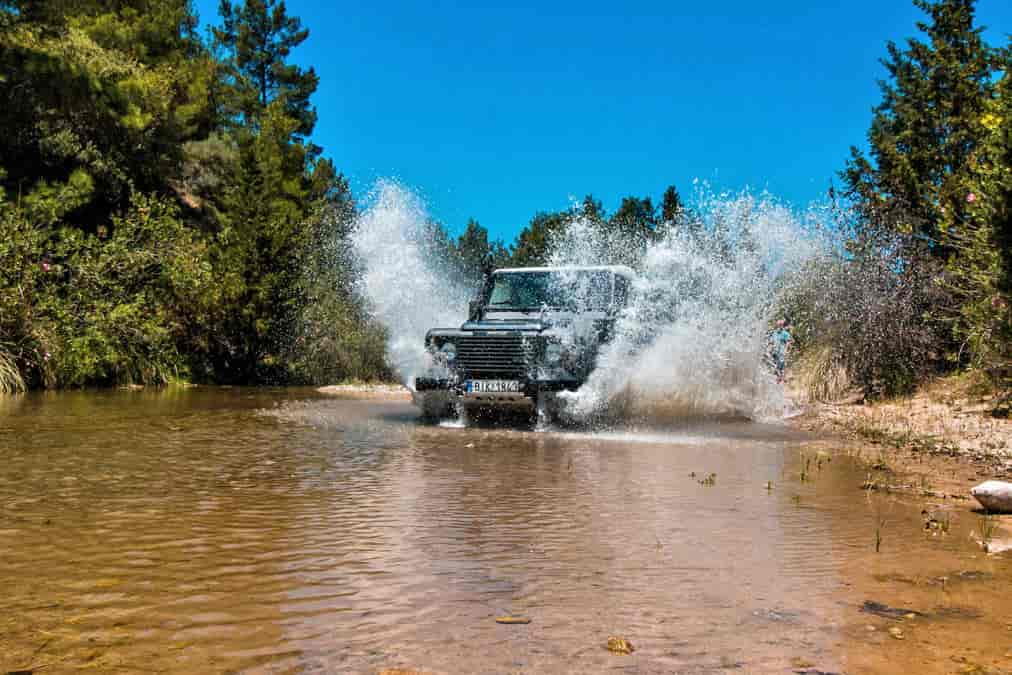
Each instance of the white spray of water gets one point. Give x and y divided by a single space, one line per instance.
401 279
694 339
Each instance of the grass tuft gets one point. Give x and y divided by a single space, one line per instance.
821 376
11 381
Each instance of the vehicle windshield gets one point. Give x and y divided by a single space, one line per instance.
564 290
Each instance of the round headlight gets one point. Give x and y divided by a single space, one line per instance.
553 352
449 351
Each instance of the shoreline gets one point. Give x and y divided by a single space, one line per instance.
397 392
936 443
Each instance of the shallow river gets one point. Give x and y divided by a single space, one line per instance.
222 530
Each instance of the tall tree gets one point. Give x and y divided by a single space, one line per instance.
258 37
476 254
671 205
979 275
592 209
927 126
533 246
272 204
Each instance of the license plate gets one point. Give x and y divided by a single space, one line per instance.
493 386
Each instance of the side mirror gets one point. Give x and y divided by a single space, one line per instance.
473 310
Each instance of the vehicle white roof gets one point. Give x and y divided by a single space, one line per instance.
616 269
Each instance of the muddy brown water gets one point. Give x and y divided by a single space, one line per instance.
225 530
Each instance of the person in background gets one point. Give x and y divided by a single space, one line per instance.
780 342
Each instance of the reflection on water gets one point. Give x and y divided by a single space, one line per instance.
279 531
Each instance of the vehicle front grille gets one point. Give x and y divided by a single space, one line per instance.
496 355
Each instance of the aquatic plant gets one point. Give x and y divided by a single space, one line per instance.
820 375
806 463
987 527
709 481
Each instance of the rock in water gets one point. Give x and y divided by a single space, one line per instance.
994 495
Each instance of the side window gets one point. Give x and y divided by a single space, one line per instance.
621 291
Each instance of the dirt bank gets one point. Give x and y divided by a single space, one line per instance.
943 435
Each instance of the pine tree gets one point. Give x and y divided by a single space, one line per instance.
927 126
979 275
533 246
671 205
269 214
258 37
473 251
592 210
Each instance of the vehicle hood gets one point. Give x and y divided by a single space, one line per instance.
520 324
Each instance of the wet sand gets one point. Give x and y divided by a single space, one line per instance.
221 530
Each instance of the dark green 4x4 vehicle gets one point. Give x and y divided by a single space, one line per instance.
531 333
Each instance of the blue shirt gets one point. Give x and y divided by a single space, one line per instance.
780 338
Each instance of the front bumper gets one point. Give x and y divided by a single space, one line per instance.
437 396
529 387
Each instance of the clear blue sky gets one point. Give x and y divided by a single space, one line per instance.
499 111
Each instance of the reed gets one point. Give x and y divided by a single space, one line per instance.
821 376
11 381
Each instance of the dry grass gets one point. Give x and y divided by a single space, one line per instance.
949 416
11 381
819 376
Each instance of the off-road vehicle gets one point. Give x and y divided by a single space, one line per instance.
532 332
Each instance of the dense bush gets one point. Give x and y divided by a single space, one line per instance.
103 308
161 206
869 315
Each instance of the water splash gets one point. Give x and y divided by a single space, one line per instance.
694 339
402 281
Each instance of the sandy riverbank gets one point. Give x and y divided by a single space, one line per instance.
380 391
942 439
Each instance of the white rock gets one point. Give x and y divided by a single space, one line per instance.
994 495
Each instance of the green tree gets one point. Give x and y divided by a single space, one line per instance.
84 95
476 256
278 202
635 218
533 244
980 233
671 205
162 211
927 126
630 230
258 37
592 210
675 216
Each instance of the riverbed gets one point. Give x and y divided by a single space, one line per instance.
260 530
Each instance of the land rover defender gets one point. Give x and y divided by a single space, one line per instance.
531 332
